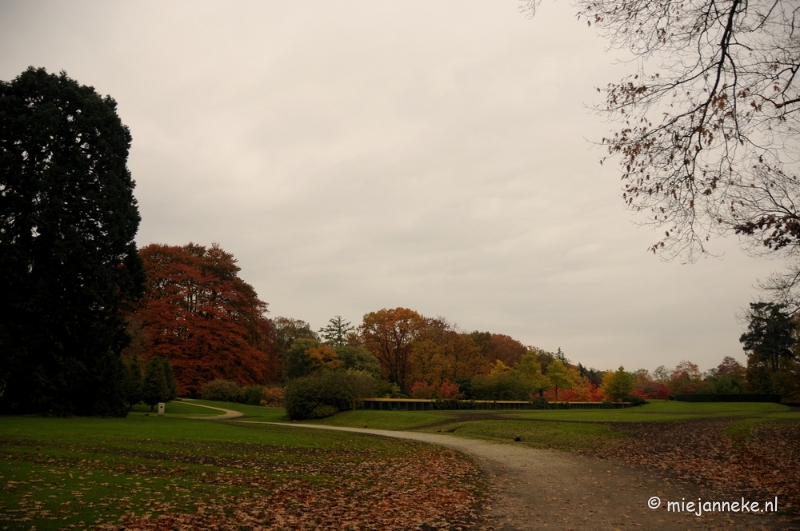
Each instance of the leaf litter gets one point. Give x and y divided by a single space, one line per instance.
188 485
764 464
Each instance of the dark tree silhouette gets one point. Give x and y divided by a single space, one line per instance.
68 260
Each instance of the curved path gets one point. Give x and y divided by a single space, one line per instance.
553 490
229 413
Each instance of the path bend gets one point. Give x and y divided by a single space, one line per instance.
535 489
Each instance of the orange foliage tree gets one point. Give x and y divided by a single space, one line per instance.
389 334
499 347
686 378
209 322
441 354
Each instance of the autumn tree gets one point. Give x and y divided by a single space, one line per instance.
206 320
428 363
309 356
499 347
729 377
389 335
645 386
617 385
530 371
288 329
68 259
731 368
661 374
440 354
543 357
582 390
686 378
560 376
502 383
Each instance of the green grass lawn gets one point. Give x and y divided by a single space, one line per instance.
573 436
565 429
60 473
383 420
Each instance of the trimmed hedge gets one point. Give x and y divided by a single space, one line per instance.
729 398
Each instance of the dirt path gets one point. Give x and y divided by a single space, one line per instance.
229 413
547 489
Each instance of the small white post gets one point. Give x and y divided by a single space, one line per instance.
161 407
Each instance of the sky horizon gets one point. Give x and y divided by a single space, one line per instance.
440 157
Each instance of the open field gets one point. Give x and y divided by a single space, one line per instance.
564 429
148 472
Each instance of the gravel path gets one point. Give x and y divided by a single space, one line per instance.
229 413
547 489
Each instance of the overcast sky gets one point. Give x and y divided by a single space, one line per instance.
363 155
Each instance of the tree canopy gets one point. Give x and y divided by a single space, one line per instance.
389 334
708 122
68 259
207 321
771 334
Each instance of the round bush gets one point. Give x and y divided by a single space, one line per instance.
252 396
540 403
324 395
221 390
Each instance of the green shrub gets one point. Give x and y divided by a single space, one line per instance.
500 387
361 382
465 386
221 390
540 403
324 411
387 389
326 394
635 400
252 395
359 359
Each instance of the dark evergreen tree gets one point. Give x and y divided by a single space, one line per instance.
169 378
335 333
133 380
770 334
155 387
68 260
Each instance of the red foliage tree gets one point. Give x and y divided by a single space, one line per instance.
449 391
499 347
422 390
686 378
209 323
